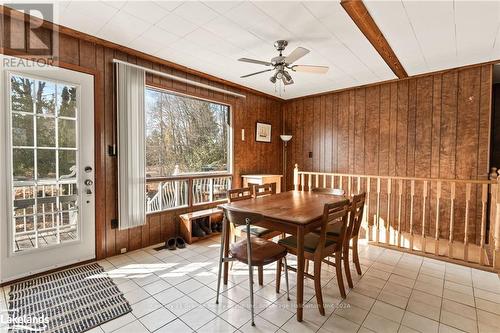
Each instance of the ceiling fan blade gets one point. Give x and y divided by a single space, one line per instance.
266 70
310 69
253 61
298 53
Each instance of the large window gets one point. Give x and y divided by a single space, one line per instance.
185 135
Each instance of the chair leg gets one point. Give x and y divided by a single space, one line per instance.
278 275
261 275
306 266
338 268
220 258
317 286
250 273
347 268
286 279
355 257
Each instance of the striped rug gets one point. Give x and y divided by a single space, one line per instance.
69 301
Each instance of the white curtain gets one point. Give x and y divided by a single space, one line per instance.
130 86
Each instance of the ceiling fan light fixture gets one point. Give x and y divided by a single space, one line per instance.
273 79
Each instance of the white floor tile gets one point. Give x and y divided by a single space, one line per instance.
157 319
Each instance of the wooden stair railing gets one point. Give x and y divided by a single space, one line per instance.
450 219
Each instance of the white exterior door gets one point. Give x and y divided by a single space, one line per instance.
47 170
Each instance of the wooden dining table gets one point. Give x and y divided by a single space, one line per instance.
293 212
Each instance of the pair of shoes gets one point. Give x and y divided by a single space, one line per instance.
217 227
196 230
174 243
200 228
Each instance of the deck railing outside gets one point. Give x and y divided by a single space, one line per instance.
452 218
167 193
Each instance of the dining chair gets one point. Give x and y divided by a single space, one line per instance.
239 231
253 251
264 189
317 247
332 191
333 232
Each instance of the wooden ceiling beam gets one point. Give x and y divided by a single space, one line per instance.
359 14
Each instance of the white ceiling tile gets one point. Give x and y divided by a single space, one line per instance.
399 33
145 10
176 25
245 14
221 7
477 24
153 40
89 19
434 25
123 28
168 4
195 12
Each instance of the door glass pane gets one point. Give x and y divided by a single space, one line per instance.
45 195
66 101
45 132
67 133
46 163
67 164
23 164
45 97
22 130
22 94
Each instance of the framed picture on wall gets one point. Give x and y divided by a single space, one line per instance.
263 132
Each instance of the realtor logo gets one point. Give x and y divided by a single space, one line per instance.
23 323
25 33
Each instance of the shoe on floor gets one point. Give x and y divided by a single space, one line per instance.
180 242
170 244
197 231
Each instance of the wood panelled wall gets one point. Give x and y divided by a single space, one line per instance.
433 126
85 53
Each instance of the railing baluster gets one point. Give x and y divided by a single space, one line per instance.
424 215
349 185
324 180
412 194
452 220
302 182
309 181
377 236
484 201
316 178
340 183
436 235
466 232
367 209
296 177
359 185
388 219
400 194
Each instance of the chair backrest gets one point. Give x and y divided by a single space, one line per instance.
332 191
356 214
239 194
264 189
239 217
337 212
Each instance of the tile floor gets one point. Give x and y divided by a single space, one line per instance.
174 291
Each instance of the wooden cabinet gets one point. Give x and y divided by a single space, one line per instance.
262 179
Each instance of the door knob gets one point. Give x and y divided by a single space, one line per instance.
88 182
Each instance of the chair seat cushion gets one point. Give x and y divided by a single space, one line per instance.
311 241
254 230
263 251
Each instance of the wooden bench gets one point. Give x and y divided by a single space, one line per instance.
213 214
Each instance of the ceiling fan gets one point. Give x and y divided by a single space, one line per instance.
281 63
